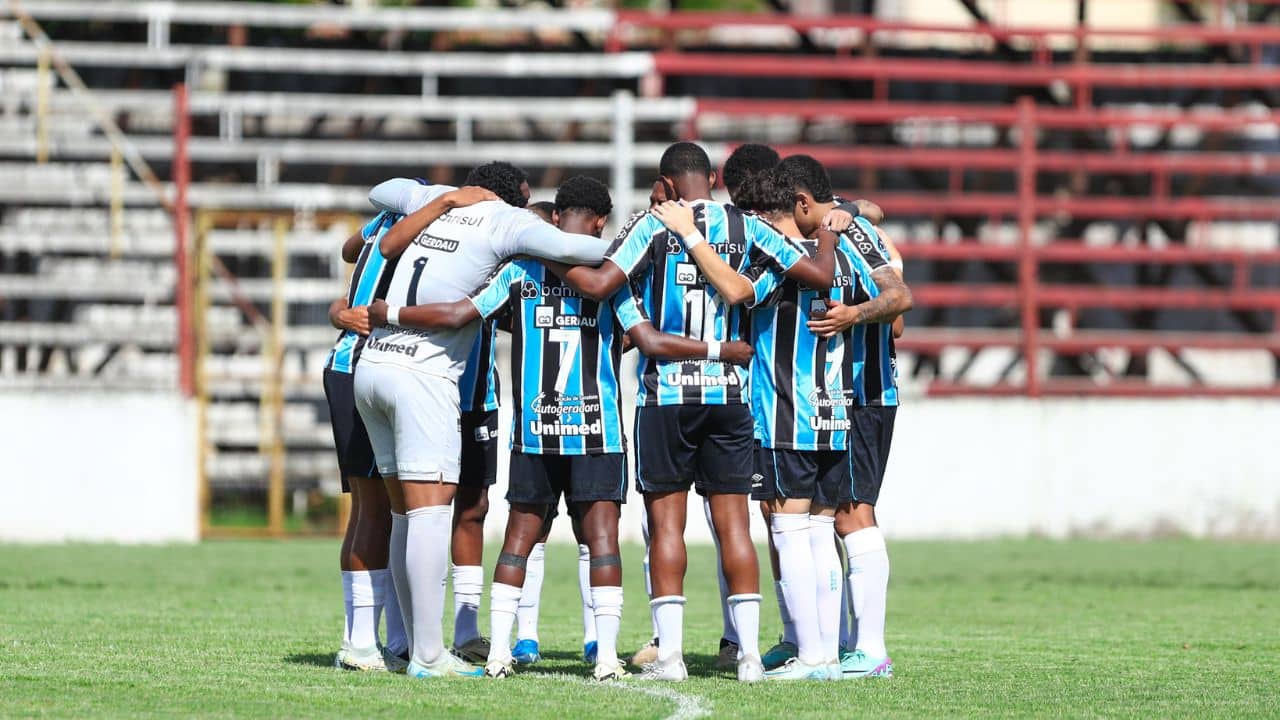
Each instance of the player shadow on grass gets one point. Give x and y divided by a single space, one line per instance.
699 664
316 659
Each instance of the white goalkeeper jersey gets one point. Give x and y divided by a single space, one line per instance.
448 260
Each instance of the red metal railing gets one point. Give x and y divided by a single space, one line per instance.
1029 296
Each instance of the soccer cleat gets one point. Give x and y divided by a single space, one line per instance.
779 654
672 670
834 671
526 652
395 663
606 673
447 666
589 651
500 668
647 654
360 659
794 669
475 650
750 669
728 657
858 664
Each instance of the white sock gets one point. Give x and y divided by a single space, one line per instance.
607 604
827 582
795 560
531 593
869 587
728 631
584 589
427 562
362 622
746 618
400 581
669 612
468 584
378 582
788 625
397 642
848 629
504 602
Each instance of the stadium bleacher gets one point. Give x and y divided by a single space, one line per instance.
1114 232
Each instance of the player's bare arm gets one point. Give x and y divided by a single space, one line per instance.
895 261
666 346
343 317
841 217
402 233
731 286
427 317
595 283
894 300
351 248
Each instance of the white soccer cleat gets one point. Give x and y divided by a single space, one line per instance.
360 659
835 671
499 669
606 673
671 670
750 669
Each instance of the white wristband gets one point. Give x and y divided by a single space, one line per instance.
393 314
693 240
896 265
713 349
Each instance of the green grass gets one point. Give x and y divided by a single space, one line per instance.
1014 628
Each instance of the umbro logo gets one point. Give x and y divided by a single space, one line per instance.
757 480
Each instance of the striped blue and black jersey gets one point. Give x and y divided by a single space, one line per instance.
369 282
478 385
565 354
877 384
801 384
676 297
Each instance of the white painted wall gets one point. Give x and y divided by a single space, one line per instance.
120 466
974 468
95 465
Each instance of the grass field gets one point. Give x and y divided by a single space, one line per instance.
1014 628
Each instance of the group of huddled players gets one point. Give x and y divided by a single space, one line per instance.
766 331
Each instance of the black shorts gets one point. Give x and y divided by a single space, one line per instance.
479 468
869 441
819 476
350 439
708 447
542 479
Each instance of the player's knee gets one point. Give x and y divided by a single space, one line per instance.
475 512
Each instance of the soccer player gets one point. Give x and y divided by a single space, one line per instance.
802 399
693 427
367 587
478 403
406 387
566 429
883 298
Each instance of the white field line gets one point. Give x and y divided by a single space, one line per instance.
688 707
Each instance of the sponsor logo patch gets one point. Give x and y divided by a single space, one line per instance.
544 316
686 274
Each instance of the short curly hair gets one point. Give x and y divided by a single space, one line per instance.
543 209
583 193
745 161
804 172
502 179
684 157
766 193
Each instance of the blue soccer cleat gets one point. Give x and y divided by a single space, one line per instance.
858 664
779 654
526 652
589 651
